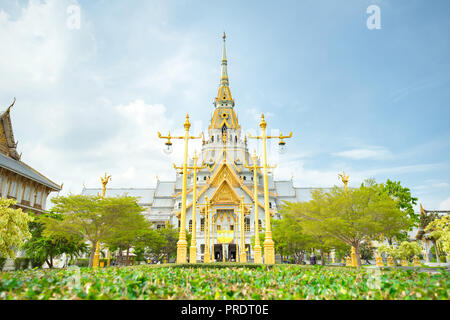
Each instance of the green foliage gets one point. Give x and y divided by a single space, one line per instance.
21 263
157 244
220 282
95 219
352 217
2 263
439 230
13 227
404 199
43 249
442 259
406 250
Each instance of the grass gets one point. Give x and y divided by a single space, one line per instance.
223 281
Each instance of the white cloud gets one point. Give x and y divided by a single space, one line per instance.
37 45
365 153
445 205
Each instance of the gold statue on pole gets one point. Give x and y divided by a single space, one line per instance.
344 179
95 262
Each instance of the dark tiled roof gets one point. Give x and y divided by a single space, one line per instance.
26 171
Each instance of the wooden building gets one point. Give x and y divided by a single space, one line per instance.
18 180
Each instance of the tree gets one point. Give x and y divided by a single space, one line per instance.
405 202
91 217
290 238
127 234
405 251
439 231
13 228
353 216
161 243
44 249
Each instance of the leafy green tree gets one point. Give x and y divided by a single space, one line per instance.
290 238
91 217
367 251
355 216
405 202
406 250
13 228
439 231
127 233
44 249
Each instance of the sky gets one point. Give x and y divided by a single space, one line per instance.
91 96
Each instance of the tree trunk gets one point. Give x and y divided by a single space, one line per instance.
358 256
119 258
91 256
322 256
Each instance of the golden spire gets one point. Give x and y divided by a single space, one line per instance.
224 93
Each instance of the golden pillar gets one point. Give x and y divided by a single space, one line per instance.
206 255
193 248
243 255
255 167
269 247
182 243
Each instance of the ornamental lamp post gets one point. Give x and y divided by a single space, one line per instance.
182 243
269 247
243 252
193 248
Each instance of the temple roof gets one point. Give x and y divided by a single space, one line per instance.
145 195
24 170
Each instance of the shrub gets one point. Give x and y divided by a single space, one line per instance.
21 263
443 259
2 263
81 263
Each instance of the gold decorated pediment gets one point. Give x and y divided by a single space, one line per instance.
225 194
225 173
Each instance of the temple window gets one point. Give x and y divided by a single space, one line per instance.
235 139
38 197
245 178
247 224
260 225
270 205
190 226
202 224
212 138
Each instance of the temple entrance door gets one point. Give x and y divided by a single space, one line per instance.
232 252
218 252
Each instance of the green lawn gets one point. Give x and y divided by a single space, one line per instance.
220 281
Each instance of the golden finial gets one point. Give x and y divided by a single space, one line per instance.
187 124
263 123
344 179
224 36
104 183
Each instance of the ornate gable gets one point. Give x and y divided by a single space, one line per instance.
225 194
225 172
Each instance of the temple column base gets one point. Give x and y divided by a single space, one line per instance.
269 251
258 256
182 251
193 253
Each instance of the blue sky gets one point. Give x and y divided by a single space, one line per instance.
374 103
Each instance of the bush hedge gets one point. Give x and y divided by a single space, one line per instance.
2 263
214 281
21 263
